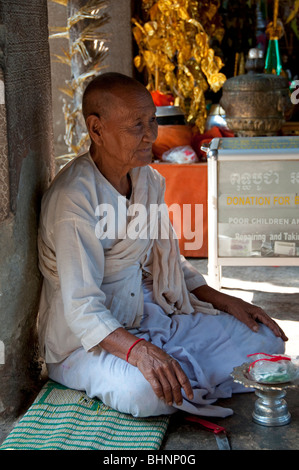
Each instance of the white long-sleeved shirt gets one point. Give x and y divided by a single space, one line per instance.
81 305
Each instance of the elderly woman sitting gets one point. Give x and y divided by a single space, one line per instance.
123 316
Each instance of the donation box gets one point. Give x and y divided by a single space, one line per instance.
253 203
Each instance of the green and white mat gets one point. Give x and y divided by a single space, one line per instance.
65 419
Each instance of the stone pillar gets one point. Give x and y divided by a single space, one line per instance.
25 171
119 30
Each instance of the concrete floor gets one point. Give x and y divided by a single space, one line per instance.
276 289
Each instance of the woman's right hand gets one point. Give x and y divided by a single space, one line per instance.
162 371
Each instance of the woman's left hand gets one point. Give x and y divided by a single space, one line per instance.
251 315
247 313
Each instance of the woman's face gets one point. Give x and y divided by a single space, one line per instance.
129 129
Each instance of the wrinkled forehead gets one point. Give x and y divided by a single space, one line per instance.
126 100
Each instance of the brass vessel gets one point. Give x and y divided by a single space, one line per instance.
256 104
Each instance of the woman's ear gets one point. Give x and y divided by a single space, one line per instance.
93 124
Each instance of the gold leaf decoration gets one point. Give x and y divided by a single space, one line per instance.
173 43
61 2
294 12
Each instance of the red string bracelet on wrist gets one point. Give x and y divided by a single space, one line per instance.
131 347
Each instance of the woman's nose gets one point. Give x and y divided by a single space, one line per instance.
150 132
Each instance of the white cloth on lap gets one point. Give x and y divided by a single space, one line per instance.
207 347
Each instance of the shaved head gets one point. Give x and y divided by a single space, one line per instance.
97 93
120 117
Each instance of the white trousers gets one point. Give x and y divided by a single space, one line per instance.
208 347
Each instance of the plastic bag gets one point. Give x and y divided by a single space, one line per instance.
272 368
182 154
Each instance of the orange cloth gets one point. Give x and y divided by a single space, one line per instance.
170 136
187 184
160 99
199 139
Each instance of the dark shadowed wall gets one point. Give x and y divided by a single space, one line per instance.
25 171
